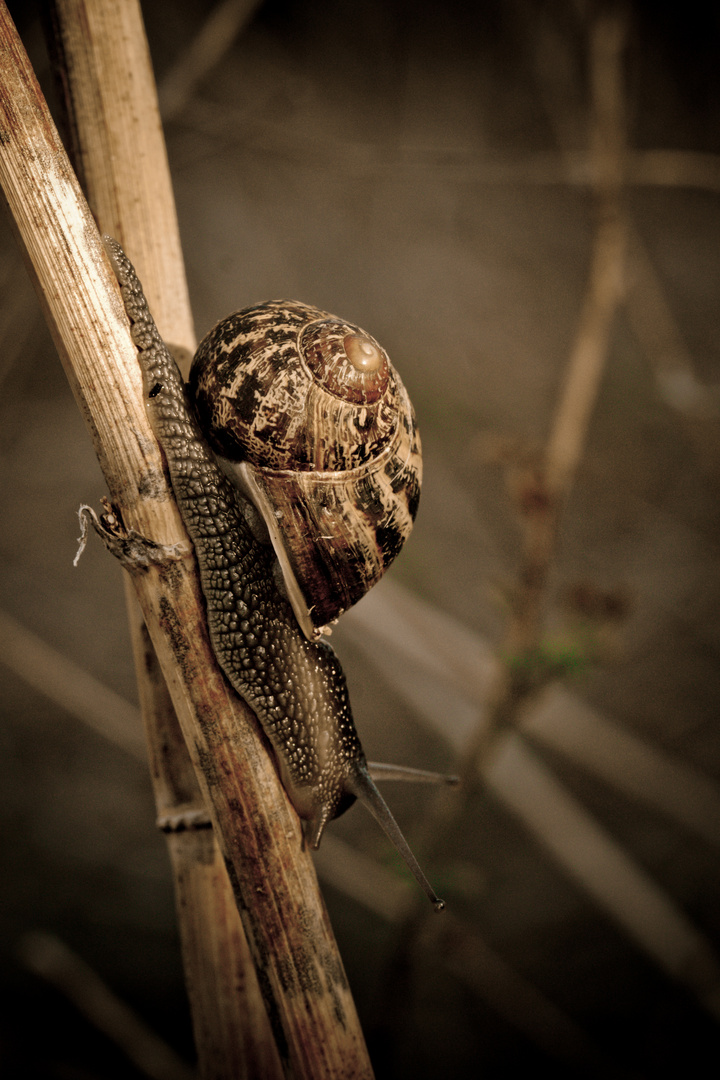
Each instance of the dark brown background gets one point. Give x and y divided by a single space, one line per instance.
344 154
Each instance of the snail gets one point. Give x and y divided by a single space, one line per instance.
306 415
266 633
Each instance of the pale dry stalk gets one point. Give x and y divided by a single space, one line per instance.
102 61
305 989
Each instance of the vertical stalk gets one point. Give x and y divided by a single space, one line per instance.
232 1033
103 65
299 970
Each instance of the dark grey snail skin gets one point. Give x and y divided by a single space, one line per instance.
296 687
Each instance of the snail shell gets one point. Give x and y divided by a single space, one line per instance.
308 416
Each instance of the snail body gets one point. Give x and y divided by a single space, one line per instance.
295 685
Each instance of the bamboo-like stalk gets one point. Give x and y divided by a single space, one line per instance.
304 985
111 114
233 1037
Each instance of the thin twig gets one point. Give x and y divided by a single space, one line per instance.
71 687
654 324
215 39
231 1029
49 957
543 491
544 494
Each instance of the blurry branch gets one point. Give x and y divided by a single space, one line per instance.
543 491
600 866
540 490
642 772
398 633
649 313
462 951
560 823
657 330
654 324
195 62
292 142
71 687
51 959
674 168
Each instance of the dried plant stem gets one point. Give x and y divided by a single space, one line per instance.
304 985
94 49
230 1024
545 494
543 491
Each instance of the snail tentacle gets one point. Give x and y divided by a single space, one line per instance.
382 771
361 784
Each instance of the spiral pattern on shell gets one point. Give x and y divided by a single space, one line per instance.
314 407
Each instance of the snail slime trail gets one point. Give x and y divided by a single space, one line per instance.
294 425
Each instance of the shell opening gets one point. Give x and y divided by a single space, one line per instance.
243 475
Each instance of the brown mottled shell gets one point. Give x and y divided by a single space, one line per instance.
309 415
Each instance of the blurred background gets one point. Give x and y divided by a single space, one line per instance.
445 175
